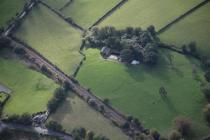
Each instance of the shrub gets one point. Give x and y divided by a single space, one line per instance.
183 125
206 112
24 119
175 135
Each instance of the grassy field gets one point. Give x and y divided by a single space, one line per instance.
30 90
142 13
195 27
8 9
52 37
86 12
56 3
135 90
75 113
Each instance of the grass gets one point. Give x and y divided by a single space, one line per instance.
2 97
195 27
8 9
134 90
56 3
75 113
143 13
30 90
87 12
52 37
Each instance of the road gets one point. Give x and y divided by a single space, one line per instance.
38 130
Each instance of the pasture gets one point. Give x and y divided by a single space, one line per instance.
30 90
195 27
143 13
75 113
8 9
134 90
52 37
87 12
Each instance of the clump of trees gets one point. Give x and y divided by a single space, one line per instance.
4 42
59 96
183 125
207 75
130 43
190 48
206 112
83 134
24 119
54 126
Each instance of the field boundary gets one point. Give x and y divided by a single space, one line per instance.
121 3
68 20
66 5
18 18
190 11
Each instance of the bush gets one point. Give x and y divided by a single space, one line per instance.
183 125
175 135
59 96
207 76
24 119
155 134
206 92
206 112
54 126
126 55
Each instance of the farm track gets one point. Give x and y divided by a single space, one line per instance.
121 3
110 113
39 130
167 26
72 23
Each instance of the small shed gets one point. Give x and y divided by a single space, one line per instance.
105 51
135 62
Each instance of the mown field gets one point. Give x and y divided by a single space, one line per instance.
56 3
195 27
143 13
87 12
8 9
30 90
135 90
75 113
52 37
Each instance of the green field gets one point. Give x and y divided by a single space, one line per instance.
8 9
75 113
87 12
30 90
56 3
52 37
195 27
142 13
135 90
